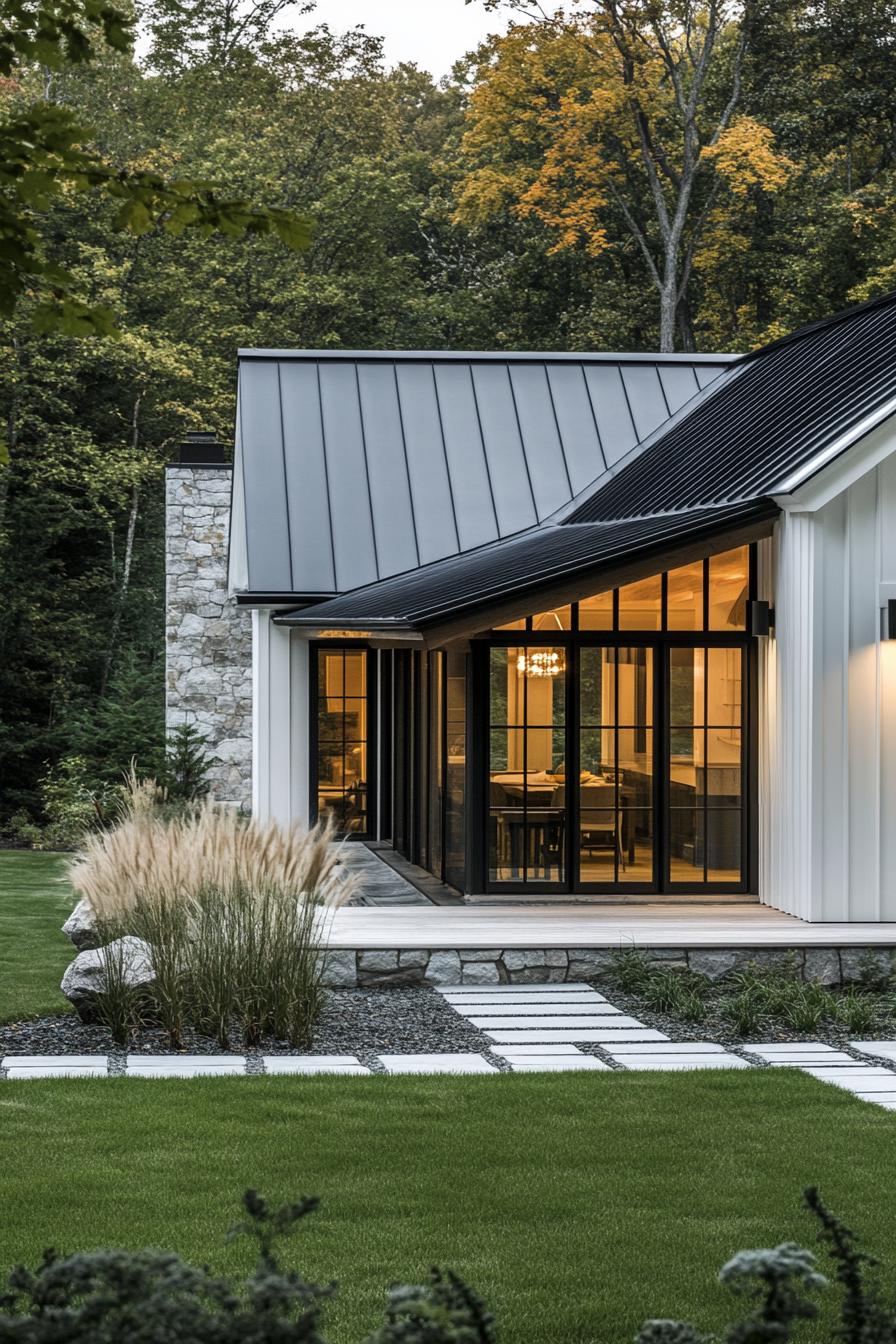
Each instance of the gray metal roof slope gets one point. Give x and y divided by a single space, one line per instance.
358 465
778 416
518 569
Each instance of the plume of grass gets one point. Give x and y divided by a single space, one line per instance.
236 912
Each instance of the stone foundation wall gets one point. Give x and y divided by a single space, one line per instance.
208 640
494 966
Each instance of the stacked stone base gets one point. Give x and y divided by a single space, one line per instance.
374 968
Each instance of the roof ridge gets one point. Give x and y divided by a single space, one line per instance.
508 356
819 324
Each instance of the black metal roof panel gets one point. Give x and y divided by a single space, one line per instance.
521 566
776 417
356 465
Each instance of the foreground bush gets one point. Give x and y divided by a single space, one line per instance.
154 1297
106 1297
234 913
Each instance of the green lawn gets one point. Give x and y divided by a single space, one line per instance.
579 1205
34 901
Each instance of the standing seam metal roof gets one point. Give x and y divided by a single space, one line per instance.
356 466
774 414
521 565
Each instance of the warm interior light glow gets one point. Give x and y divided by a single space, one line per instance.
540 663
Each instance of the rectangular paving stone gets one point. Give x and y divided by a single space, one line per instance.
557 1064
799 1061
784 1047
507 1022
536 1009
883 1049
675 1048
520 1051
313 1064
515 989
437 1064
856 1080
680 1062
879 1098
56 1071
177 1069
48 1061
468 1004
158 1061
594 1035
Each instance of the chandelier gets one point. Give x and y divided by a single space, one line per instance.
540 663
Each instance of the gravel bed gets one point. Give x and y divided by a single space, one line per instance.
716 1027
362 1022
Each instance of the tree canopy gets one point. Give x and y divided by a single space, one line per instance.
516 204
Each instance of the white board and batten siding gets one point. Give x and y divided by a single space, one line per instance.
828 695
281 722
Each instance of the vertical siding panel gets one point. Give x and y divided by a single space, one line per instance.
833 737
887 653
862 699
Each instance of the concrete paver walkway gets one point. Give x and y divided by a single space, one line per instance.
532 1028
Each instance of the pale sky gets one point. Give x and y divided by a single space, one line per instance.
433 33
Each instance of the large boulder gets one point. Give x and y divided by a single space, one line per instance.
81 926
85 978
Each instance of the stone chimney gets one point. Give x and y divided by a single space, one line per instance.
208 639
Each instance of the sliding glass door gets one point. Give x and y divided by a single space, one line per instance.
616 832
705 765
617 765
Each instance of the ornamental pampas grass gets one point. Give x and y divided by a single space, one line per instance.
236 913
211 847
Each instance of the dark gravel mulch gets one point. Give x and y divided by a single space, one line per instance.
716 1027
354 1021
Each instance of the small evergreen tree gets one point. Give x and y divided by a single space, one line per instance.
185 773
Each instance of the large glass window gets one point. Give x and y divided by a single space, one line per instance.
342 738
641 786
706 594
527 764
455 768
616 827
705 764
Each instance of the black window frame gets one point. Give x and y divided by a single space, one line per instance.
371 697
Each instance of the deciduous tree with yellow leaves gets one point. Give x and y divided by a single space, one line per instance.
619 122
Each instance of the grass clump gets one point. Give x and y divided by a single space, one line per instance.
235 913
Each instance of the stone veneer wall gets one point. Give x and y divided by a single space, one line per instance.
494 966
208 639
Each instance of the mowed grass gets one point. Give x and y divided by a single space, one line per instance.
578 1205
34 901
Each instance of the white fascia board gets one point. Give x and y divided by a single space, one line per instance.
862 448
237 554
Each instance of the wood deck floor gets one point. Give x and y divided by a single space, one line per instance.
546 926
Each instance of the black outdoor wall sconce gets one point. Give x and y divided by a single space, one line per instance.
760 618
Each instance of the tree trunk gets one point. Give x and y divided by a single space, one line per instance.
122 594
668 315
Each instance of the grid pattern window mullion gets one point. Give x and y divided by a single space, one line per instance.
616 763
705 758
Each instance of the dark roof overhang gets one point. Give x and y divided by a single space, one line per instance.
460 597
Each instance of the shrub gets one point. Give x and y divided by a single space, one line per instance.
856 1011
104 1297
235 912
872 975
630 969
779 1283
72 803
746 1013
